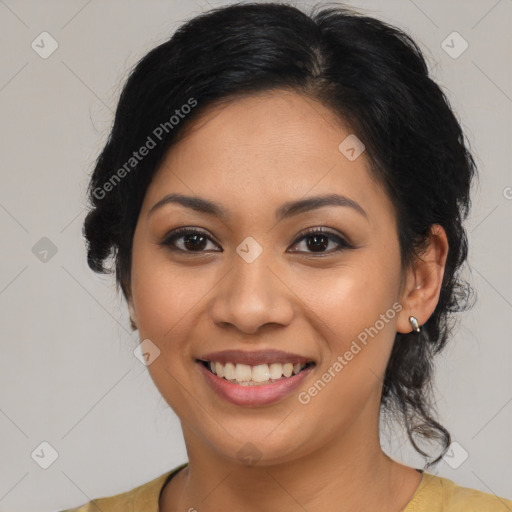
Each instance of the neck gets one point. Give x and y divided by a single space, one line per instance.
350 471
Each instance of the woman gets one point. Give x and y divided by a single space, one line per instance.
284 198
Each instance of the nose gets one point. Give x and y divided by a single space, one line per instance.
250 296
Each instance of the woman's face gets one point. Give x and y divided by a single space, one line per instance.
252 282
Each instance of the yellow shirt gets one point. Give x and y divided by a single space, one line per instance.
434 494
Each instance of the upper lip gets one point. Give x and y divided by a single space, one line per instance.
255 357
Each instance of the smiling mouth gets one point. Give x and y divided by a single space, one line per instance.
261 374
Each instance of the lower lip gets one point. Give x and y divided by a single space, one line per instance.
261 394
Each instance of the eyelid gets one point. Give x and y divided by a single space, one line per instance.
341 239
182 231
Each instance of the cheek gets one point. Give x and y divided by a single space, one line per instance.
351 300
164 293
357 309
165 300
356 318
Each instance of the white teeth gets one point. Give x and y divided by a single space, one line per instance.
287 369
242 373
245 374
219 369
260 373
276 370
229 371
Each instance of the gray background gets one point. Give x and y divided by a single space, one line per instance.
68 375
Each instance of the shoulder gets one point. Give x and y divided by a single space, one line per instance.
144 497
438 494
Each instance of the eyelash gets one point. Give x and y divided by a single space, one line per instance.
171 238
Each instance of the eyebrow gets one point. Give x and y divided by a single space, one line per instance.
285 211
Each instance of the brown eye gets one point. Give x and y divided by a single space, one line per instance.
187 240
317 240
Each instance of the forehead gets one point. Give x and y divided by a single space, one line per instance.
264 149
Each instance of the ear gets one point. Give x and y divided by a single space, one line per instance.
423 281
133 315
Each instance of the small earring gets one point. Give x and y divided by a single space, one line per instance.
414 323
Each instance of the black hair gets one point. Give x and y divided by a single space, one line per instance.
372 76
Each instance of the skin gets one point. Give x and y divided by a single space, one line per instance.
250 156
